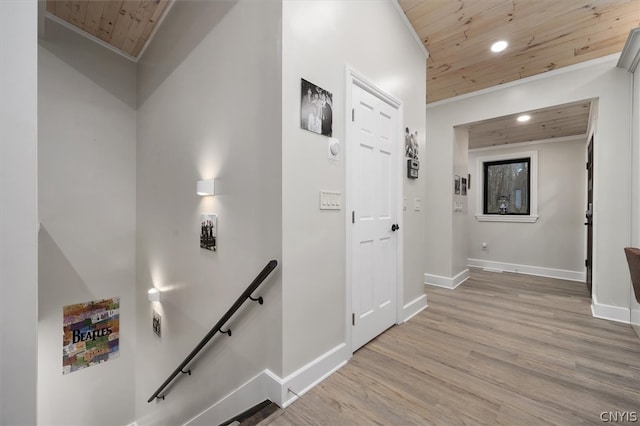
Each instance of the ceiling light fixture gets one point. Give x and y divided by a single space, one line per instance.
524 118
499 46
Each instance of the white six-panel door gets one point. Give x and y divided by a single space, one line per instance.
374 146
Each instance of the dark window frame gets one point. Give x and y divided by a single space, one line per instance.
485 184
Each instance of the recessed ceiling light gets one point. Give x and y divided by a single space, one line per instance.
524 118
499 46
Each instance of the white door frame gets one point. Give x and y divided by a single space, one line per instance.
354 77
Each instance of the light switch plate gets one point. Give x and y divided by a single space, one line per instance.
417 204
330 200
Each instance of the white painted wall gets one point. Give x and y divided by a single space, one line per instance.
460 223
208 111
438 173
634 306
596 79
18 212
557 239
86 170
320 38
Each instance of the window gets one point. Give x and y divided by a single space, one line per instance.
509 188
506 186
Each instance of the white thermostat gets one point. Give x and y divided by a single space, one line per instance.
334 149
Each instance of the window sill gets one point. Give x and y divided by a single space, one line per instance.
505 218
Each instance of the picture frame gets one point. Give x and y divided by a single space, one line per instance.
209 231
410 143
157 323
316 109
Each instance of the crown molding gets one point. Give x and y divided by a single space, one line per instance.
630 55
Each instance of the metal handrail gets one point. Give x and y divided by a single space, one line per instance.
218 327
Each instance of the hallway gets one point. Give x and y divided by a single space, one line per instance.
500 349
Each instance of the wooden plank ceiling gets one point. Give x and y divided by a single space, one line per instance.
555 122
542 34
125 25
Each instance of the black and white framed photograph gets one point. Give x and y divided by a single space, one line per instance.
208 231
157 326
410 143
316 109
456 185
463 186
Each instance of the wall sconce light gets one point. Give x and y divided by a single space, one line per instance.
155 295
206 187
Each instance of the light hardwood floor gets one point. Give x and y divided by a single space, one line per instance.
503 348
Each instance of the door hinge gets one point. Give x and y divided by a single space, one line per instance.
587 166
586 263
353 114
353 216
353 319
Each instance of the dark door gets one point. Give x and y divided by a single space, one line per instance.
589 214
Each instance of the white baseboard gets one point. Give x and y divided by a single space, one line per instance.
528 270
414 307
446 282
268 385
308 376
609 312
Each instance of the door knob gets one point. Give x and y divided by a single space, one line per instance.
395 227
